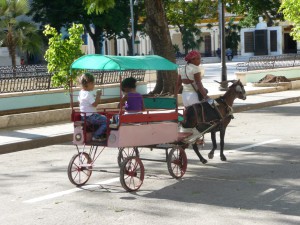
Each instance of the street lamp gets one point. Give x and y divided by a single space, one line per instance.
132 23
223 85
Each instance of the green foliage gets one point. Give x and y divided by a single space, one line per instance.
290 9
15 33
98 6
110 24
184 15
232 35
62 53
252 9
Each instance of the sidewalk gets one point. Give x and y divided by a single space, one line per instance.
22 138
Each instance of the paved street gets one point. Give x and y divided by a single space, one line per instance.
259 184
213 71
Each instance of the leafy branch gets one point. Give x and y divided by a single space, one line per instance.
62 53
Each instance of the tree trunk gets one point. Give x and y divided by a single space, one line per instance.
158 31
96 37
11 45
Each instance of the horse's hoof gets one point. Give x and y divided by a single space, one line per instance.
223 158
210 155
204 161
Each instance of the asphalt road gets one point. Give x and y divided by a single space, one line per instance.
213 71
259 184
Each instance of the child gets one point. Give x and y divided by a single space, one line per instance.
88 105
132 100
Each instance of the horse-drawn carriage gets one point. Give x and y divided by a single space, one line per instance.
156 127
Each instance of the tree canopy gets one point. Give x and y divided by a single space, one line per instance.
15 32
291 12
252 9
185 15
110 23
98 6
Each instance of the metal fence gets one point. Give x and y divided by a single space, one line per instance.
36 77
269 62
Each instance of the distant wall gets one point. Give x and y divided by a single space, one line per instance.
14 101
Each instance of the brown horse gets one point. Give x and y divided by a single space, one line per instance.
203 116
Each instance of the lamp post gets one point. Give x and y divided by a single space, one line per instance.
223 86
132 26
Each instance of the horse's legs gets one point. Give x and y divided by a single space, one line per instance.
214 142
222 137
196 150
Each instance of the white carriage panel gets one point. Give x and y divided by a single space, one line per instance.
143 134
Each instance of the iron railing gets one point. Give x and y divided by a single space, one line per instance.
36 77
269 62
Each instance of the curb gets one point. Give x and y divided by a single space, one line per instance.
35 143
67 137
243 108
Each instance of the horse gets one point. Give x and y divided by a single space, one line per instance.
213 118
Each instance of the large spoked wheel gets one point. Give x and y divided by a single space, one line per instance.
79 169
132 173
177 162
127 152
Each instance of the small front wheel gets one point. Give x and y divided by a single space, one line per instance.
177 162
80 169
132 173
127 152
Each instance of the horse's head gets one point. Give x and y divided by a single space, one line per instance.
239 89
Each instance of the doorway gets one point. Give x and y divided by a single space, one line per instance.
290 45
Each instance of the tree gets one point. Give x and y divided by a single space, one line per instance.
98 6
62 53
110 23
158 31
232 38
290 9
184 15
157 28
15 33
252 9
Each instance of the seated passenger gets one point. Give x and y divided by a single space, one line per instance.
132 101
88 104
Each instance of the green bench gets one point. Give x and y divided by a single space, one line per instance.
162 103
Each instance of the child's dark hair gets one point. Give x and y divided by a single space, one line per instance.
129 82
86 78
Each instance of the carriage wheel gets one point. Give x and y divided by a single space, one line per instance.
132 173
127 152
177 162
78 170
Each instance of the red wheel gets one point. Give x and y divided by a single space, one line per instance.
132 173
80 169
127 152
177 162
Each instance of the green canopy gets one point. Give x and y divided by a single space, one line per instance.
110 62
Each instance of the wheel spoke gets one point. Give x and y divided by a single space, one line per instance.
77 174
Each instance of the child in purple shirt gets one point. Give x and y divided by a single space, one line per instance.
132 100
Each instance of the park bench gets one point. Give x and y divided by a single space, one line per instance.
269 62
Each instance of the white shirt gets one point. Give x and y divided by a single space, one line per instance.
188 72
86 99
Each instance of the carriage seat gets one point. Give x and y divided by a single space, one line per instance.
76 118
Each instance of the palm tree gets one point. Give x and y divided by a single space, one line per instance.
17 34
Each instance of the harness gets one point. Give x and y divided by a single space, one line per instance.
215 122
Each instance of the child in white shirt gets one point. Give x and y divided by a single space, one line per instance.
88 104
